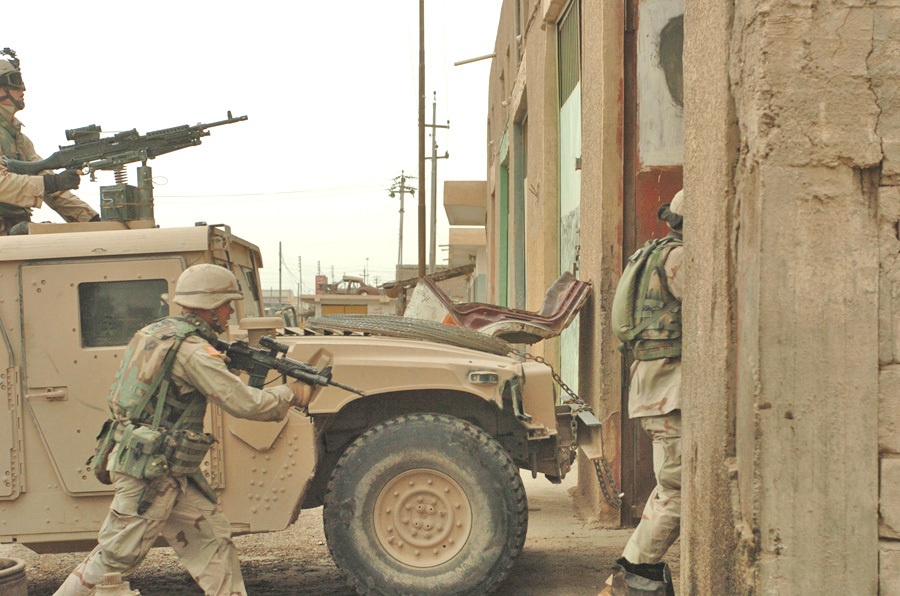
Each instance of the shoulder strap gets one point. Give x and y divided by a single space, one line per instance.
160 385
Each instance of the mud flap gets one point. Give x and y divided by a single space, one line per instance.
589 434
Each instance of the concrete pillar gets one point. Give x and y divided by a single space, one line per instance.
783 159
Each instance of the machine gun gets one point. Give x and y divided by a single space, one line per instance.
257 362
90 153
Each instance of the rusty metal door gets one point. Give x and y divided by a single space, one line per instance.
654 141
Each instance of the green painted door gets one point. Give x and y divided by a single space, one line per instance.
569 35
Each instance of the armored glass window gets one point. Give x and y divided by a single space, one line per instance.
111 312
247 278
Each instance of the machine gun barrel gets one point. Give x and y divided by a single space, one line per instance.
89 152
257 362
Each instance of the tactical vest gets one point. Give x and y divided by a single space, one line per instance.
8 141
656 309
156 438
144 369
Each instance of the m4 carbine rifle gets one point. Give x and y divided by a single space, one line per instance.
90 153
257 362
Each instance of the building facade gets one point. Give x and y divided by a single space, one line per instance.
782 126
580 157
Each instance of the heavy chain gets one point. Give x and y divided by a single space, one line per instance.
604 473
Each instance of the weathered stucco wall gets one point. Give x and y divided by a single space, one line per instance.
884 65
710 153
791 360
601 230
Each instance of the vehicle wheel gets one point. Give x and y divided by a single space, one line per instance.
425 504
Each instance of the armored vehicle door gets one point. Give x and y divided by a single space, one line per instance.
77 318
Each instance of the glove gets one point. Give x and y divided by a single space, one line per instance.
303 394
66 181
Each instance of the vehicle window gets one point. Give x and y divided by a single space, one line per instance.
112 311
251 292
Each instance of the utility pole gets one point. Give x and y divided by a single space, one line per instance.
421 136
279 273
434 157
300 283
400 187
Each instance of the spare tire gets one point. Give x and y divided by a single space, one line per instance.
410 328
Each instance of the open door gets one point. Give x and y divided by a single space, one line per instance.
654 144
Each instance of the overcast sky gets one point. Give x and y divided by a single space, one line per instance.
330 89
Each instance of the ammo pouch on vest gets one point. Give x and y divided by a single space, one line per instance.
185 449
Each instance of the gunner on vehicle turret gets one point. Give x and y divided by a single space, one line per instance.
19 194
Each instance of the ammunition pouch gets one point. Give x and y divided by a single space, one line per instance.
140 452
185 449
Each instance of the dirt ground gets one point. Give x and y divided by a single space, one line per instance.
564 555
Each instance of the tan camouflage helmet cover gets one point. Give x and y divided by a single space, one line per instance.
677 204
206 286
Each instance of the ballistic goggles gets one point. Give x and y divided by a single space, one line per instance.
12 79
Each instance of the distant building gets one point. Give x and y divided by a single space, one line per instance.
323 305
274 300
456 287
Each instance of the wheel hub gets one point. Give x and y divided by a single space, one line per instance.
423 518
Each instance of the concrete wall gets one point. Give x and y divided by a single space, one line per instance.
791 312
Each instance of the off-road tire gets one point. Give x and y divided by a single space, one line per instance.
436 486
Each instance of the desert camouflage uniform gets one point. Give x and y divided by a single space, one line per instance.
655 397
181 512
27 192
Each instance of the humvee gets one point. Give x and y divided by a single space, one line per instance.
419 477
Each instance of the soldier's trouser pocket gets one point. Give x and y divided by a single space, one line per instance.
140 452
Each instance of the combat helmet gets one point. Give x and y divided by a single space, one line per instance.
206 286
677 204
673 213
10 74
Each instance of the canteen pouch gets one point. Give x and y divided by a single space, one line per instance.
185 450
105 442
141 452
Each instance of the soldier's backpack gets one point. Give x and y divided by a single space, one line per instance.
627 306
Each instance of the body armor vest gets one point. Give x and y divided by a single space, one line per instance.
156 439
143 370
658 308
8 134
